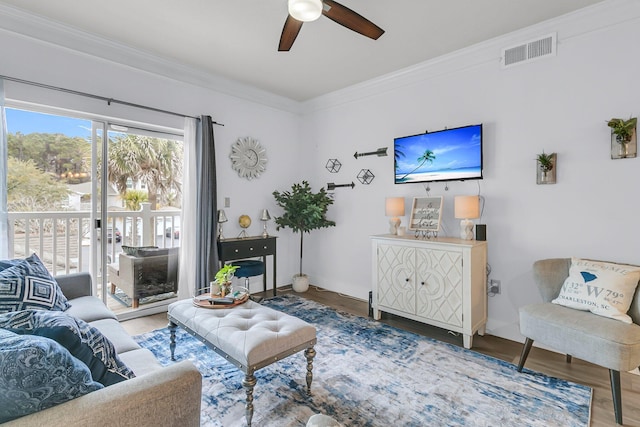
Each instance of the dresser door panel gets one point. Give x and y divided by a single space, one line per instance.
396 277
439 277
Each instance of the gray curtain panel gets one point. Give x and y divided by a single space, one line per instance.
206 224
4 218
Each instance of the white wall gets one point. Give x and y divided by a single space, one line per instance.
558 104
276 129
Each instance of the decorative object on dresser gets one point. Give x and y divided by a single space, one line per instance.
441 282
623 137
481 232
304 211
264 217
222 218
245 222
466 208
394 207
426 213
546 170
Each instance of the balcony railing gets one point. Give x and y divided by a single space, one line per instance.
62 240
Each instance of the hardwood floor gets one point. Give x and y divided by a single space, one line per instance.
549 363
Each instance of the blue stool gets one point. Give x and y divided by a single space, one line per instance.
248 268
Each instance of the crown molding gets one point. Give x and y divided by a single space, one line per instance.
597 17
54 33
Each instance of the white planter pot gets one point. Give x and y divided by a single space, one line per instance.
300 283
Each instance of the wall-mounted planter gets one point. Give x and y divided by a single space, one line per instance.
623 150
546 165
623 138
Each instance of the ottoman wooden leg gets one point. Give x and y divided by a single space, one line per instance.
172 338
309 353
136 303
249 383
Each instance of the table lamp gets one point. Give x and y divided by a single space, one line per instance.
466 208
394 207
264 218
222 218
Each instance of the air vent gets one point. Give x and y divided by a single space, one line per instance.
529 51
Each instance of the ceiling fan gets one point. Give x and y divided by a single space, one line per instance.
301 11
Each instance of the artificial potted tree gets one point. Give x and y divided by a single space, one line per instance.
623 130
304 211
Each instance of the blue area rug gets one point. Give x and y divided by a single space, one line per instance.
369 374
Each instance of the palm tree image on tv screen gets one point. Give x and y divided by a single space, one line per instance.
446 155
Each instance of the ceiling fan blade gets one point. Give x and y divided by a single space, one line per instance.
350 19
289 33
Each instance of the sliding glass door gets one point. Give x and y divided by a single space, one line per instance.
80 213
48 187
141 182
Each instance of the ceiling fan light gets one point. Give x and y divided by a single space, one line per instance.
305 10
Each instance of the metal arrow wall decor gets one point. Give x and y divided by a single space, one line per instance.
331 186
380 152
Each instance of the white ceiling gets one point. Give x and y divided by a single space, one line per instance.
238 39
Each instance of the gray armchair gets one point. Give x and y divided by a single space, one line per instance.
147 272
599 340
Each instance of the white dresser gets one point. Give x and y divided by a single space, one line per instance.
440 281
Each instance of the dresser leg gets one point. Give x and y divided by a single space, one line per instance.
468 341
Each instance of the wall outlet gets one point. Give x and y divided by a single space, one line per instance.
227 202
494 287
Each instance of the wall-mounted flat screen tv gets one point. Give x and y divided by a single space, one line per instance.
445 155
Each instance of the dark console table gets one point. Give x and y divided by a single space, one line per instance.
250 247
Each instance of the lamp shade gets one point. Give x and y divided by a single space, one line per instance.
394 206
305 10
222 217
265 215
467 207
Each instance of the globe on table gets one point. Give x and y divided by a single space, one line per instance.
244 221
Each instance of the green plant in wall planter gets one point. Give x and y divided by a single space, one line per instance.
623 130
304 211
546 163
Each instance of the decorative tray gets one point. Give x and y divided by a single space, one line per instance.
206 301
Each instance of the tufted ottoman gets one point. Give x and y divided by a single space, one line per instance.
249 335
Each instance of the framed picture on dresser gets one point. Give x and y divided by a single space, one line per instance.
426 214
